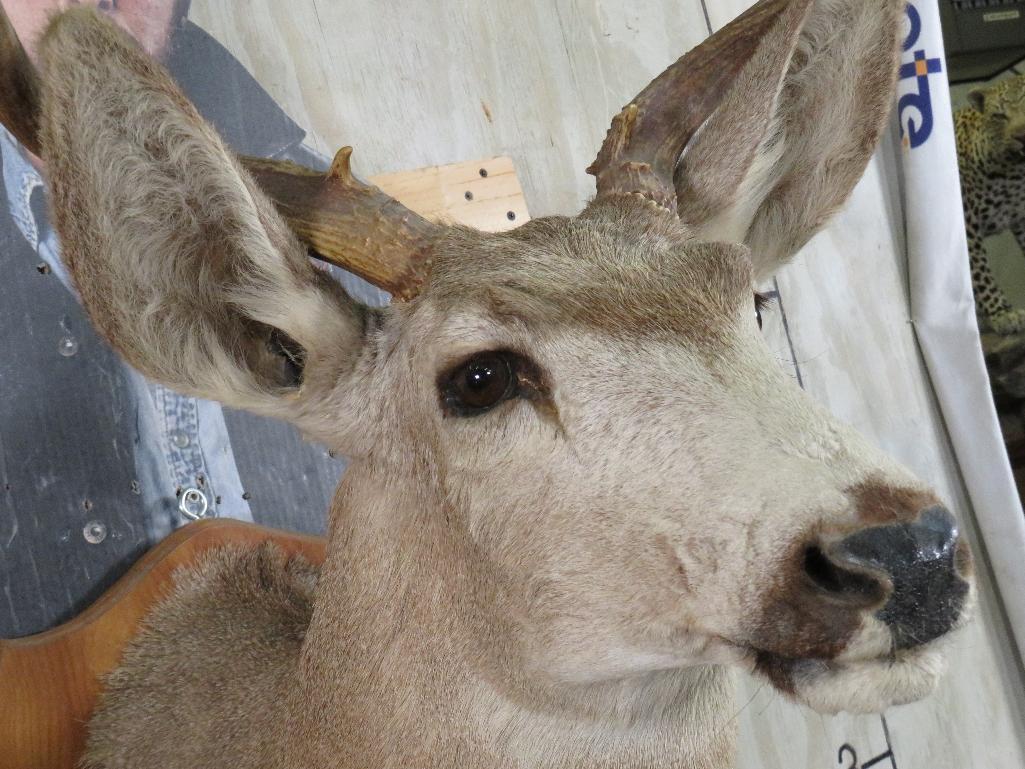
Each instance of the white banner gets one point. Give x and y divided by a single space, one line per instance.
943 308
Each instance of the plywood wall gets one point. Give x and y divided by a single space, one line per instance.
413 84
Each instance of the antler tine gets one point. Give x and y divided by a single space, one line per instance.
341 220
646 139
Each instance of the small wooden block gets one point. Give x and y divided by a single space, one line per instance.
484 194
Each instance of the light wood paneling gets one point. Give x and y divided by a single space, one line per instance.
429 83
416 84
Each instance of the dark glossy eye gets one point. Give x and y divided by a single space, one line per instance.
479 384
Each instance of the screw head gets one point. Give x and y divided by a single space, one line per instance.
94 532
67 346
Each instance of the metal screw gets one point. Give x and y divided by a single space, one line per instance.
510 215
468 195
67 346
193 504
483 173
179 438
94 532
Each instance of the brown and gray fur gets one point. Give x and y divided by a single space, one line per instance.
562 581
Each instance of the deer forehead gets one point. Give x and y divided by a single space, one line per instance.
651 279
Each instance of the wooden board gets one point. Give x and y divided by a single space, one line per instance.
430 83
484 194
49 682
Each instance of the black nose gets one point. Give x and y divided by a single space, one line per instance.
916 562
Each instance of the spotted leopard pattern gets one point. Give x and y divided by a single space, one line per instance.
991 156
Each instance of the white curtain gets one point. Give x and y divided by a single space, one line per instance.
942 307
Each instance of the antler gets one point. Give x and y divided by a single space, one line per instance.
348 223
342 220
644 143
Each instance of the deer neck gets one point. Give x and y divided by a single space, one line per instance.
415 659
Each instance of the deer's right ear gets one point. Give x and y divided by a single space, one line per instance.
795 132
760 133
181 261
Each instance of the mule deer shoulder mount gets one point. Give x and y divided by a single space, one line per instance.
582 488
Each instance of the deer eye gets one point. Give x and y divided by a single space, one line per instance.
478 384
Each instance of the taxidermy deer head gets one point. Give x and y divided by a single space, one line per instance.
580 482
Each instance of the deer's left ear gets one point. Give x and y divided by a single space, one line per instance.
794 133
182 263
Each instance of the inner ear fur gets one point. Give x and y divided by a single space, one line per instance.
791 139
181 262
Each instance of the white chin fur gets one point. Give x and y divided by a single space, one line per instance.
867 686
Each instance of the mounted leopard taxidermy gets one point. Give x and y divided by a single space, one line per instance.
991 157
582 490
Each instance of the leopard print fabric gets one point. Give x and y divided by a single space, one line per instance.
991 156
